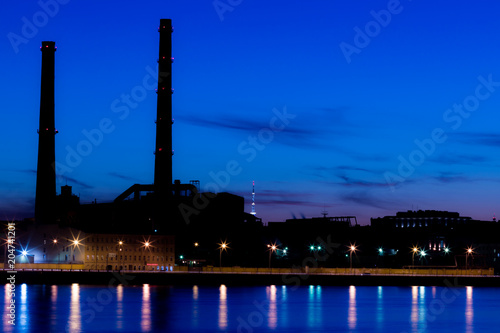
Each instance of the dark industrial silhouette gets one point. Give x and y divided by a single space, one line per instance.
46 175
200 220
163 152
161 207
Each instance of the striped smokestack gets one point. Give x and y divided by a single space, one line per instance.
46 175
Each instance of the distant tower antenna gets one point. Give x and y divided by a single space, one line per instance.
253 198
324 212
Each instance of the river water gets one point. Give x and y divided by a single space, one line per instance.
148 308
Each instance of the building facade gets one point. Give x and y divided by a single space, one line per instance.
129 252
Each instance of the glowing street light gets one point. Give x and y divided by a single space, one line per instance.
223 246
422 253
74 243
469 251
446 250
24 253
272 248
413 251
120 244
352 248
380 251
55 242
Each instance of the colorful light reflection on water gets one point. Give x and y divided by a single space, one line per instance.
148 308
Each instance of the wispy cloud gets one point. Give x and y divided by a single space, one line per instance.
365 198
449 177
346 176
124 177
283 198
311 128
474 138
335 171
452 177
16 208
74 181
462 159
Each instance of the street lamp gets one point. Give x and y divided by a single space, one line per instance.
57 249
413 250
272 248
74 244
120 243
352 248
468 252
422 254
223 246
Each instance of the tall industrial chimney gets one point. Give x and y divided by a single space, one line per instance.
163 151
46 175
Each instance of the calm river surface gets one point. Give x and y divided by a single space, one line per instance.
148 308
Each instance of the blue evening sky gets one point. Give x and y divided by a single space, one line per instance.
359 108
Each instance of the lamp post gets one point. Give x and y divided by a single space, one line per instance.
352 248
468 252
76 242
222 247
57 249
272 248
146 246
120 243
422 254
413 251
